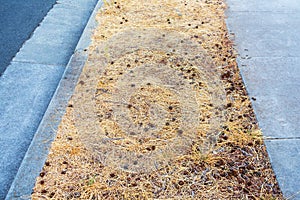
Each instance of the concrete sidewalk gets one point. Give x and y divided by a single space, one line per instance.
27 87
268 40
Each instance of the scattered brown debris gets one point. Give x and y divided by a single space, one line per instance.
128 134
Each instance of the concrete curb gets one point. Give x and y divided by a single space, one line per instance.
37 153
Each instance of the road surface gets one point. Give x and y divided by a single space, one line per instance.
18 19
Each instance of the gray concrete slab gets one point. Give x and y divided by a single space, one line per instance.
267 37
10 150
274 82
60 30
290 6
78 4
288 151
37 153
26 88
275 34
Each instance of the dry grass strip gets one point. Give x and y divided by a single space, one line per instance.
160 112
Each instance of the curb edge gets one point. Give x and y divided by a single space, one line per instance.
36 155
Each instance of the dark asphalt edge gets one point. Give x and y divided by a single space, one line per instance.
27 38
38 150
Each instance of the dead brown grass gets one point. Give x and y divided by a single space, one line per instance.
234 165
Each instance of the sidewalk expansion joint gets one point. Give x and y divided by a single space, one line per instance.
265 11
276 138
36 63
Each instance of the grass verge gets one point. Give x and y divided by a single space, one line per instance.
218 154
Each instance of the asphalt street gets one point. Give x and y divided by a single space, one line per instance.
18 19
